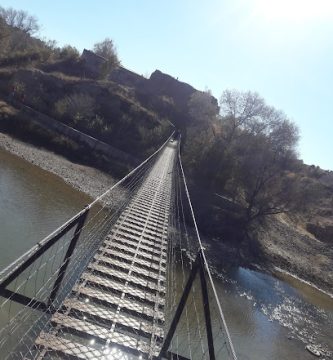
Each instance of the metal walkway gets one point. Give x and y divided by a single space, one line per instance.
115 310
125 278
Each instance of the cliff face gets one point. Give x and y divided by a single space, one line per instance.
92 63
319 216
288 246
159 84
159 91
127 78
164 84
301 241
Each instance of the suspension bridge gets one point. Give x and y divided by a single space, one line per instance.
125 278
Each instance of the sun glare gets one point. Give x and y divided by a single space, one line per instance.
294 10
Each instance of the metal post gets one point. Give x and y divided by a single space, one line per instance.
71 247
205 299
172 356
180 308
40 249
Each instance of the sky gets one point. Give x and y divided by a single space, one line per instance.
283 49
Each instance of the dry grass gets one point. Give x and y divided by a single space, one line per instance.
65 77
6 109
7 70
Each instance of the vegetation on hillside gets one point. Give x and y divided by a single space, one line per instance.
240 154
108 51
20 47
246 153
53 81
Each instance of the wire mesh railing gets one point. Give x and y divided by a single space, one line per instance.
195 324
129 269
34 287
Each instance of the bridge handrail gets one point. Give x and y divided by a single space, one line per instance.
7 272
202 250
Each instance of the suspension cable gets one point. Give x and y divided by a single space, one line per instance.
202 250
32 250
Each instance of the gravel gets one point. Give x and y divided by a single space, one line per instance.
83 178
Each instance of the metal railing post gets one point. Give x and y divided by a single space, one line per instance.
180 308
205 300
70 250
198 265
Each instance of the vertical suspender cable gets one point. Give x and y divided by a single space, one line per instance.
11 267
232 350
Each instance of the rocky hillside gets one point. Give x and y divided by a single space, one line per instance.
104 110
301 241
160 92
135 114
287 245
319 216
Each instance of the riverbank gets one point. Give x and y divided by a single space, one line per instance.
86 179
279 247
279 250
288 246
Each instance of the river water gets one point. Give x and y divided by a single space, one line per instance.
269 317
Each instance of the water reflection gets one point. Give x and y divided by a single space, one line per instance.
273 320
308 292
33 203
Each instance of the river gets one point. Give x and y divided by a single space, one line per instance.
269 317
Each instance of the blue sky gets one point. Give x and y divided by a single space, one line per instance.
281 48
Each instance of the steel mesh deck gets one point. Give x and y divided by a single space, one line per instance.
116 308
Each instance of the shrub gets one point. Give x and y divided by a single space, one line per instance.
69 52
76 108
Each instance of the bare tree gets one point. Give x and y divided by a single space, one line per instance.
262 142
108 51
240 110
20 19
261 175
202 107
254 154
3 29
4 35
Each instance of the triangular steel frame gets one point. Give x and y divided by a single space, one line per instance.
198 266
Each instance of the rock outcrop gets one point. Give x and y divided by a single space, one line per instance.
158 85
127 78
164 84
92 63
323 232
